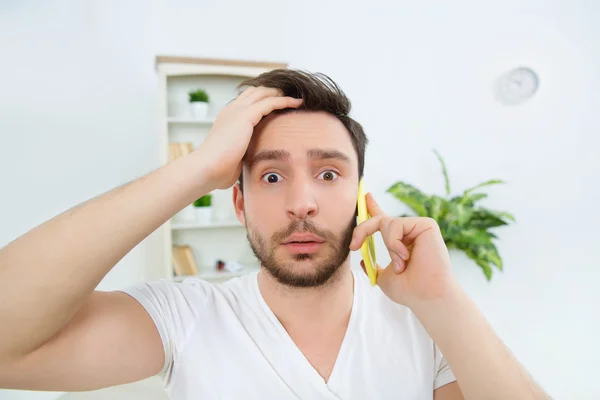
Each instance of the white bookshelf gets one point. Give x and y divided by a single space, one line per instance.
224 238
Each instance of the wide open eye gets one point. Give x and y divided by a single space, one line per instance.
328 175
272 177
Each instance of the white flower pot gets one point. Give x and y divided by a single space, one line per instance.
188 214
203 215
223 209
199 110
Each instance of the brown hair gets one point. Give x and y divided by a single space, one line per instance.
319 93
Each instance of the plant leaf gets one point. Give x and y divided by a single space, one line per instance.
436 207
485 266
483 218
471 199
473 236
444 171
487 270
458 213
492 256
486 183
502 214
486 252
411 196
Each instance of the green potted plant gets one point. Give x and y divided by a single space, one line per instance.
465 226
199 103
203 207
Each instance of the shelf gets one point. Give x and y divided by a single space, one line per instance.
213 225
190 121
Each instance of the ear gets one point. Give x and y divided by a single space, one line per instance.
238 203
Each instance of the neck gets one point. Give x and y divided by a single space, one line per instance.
320 307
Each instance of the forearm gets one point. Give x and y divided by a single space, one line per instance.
46 274
483 366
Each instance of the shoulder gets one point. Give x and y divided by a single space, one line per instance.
213 298
166 291
177 305
179 308
193 288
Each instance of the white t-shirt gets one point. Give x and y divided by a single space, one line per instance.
222 341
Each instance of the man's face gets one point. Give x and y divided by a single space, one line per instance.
299 199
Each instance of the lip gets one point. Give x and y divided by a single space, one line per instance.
303 248
303 237
303 243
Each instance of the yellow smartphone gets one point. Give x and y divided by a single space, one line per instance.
367 248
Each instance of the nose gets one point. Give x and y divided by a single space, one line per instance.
301 201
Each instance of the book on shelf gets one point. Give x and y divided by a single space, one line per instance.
179 149
184 262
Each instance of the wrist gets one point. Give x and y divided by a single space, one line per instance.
219 170
446 297
195 174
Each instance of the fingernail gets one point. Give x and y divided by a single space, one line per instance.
396 267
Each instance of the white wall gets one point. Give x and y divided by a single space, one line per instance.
77 117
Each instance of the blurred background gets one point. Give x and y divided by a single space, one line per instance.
80 102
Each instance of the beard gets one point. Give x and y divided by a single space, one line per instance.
323 267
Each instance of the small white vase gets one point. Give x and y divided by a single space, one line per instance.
199 110
223 209
188 214
203 215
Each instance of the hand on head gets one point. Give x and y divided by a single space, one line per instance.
231 132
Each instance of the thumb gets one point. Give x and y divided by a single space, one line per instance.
388 279
380 271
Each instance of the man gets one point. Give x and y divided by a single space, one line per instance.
304 327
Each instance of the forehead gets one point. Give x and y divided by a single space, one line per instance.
298 131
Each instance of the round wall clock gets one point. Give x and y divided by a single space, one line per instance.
517 85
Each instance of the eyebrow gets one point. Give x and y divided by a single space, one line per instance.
327 154
269 155
283 155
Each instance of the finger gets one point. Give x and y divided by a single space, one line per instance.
388 279
397 267
411 228
262 93
363 230
247 92
379 269
270 104
392 231
372 206
393 241
415 226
